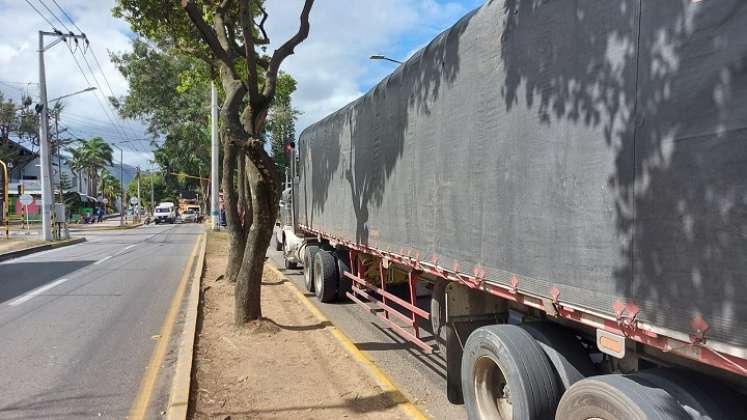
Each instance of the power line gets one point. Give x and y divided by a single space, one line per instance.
54 15
42 16
67 16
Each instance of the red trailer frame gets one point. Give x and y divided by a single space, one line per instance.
624 324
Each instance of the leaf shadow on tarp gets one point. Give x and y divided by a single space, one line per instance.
680 179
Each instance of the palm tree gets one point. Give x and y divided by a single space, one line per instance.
90 158
109 187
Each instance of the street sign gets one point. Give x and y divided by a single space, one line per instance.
26 199
133 201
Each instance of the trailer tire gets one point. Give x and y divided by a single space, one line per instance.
289 265
438 315
325 276
700 396
569 358
505 374
278 244
309 253
345 284
453 355
611 397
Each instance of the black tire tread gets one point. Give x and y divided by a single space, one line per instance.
308 266
328 276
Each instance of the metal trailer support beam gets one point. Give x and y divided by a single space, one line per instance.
361 289
214 190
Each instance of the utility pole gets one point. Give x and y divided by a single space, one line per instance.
46 180
122 197
214 190
152 197
139 203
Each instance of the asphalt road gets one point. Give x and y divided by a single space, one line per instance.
421 377
77 324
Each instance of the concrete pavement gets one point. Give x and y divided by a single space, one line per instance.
78 324
422 377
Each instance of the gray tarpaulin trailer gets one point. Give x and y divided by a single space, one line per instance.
578 164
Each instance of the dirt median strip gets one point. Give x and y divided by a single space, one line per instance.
288 364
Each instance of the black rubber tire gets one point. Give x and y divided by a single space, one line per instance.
289 265
612 397
278 244
569 358
438 315
700 396
309 253
345 284
325 276
453 355
498 354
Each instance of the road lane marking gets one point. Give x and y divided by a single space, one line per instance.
139 408
102 260
39 290
130 247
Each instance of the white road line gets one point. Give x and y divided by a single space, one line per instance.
102 260
28 296
129 247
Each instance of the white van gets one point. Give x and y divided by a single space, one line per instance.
165 213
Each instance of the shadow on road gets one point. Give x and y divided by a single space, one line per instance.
19 278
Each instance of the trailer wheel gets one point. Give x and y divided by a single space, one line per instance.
506 375
612 397
289 265
700 396
438 315
569 358
345 284
325 276
278 244
308 266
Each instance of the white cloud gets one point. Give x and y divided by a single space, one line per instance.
19 63
332 66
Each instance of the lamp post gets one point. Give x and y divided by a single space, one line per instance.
382 57
121 185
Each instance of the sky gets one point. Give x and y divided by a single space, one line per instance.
331 67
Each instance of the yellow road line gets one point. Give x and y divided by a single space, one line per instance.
386 384
139 406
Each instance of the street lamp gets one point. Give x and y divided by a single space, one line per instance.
121 185
382 57
88 89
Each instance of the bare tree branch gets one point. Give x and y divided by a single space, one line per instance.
261 26
208 34
280 54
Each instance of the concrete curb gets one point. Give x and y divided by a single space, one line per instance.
34 249
179 396
378 376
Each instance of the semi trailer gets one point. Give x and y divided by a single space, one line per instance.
568 182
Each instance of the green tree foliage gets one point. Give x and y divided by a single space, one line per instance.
110 188
161 190
281 123
230 37
19 121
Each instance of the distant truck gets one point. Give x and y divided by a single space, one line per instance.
165 213
551 195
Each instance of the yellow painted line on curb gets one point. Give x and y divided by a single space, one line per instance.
139 408
386 384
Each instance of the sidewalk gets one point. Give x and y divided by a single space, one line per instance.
287 366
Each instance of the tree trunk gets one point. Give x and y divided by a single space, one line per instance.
264 212
236 235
